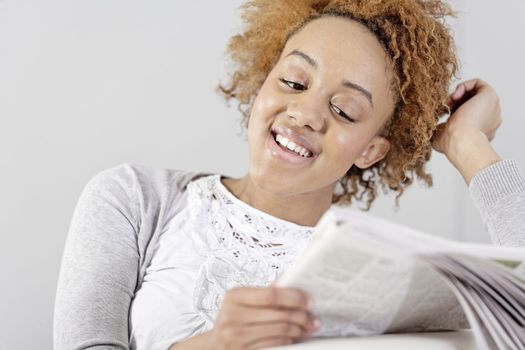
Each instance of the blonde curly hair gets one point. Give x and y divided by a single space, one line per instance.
421 48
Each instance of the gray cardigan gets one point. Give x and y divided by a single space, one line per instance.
121 212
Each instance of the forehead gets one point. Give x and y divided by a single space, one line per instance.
343 47
339 37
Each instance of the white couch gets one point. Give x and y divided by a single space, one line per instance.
460 340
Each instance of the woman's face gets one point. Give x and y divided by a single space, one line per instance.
329 94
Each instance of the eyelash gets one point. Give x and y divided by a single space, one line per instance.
342 114
299 87
293 85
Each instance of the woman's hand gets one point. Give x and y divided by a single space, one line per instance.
254 318
465 137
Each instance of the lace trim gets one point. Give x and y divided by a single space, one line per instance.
242 246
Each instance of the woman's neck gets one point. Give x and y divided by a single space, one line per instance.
302 209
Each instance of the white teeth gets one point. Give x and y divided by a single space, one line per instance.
282 140
292 146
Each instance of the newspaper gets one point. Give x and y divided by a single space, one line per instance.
370 276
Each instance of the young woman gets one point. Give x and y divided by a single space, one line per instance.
340 98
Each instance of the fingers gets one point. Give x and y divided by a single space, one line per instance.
260 317
463 92
302 319
474 110
437 138
469 85
277 330
239 316
268 297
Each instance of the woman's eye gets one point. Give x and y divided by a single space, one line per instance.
342 114
293 85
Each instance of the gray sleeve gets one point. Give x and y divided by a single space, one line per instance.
99 266
498 192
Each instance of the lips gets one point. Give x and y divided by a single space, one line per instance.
304 152
296 138
284 155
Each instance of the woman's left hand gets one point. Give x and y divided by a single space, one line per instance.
474 108
465 137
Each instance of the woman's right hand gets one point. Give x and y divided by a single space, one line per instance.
255 318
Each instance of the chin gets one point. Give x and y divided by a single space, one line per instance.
273 181
280 184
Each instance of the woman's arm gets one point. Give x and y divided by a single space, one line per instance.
498 191
470 153
99 266
496 186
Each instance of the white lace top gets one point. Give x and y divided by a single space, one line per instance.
214 243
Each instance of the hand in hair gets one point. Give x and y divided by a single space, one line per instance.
465 137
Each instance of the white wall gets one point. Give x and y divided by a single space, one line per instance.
85 85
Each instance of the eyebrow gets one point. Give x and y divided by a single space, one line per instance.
345 83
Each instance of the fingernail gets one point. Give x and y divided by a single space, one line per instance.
317 324
310 303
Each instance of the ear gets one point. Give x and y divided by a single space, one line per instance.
376 150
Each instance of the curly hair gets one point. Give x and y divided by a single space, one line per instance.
423 59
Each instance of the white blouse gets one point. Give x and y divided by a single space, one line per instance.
214 243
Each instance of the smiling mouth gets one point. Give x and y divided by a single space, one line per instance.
290 146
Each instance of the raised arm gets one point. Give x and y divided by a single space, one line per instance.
99 266
497 186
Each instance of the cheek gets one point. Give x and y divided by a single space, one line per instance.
268 101
345 147
265 108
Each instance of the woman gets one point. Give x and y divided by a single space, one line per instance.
340 97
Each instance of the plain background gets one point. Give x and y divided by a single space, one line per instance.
87 85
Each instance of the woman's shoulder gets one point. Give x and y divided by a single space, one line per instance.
133 175
141 186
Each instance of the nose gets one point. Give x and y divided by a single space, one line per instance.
306 111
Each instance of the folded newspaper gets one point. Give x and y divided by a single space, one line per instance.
369 276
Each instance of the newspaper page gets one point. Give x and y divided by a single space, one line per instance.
493 296
370 276
359 288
